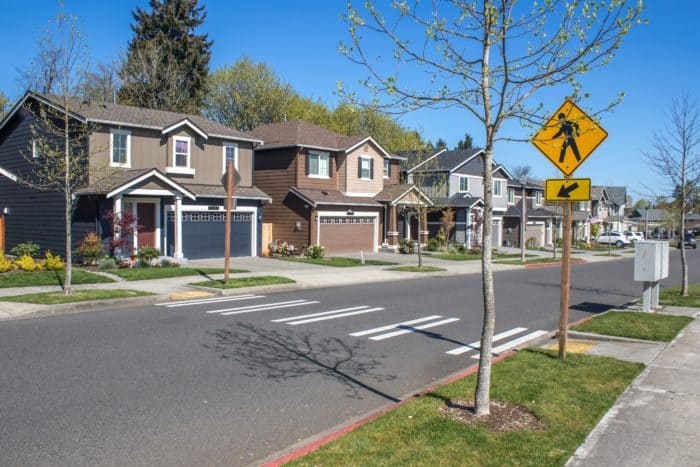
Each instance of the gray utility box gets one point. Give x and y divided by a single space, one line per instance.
650 266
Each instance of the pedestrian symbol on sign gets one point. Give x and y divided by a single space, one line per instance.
569 130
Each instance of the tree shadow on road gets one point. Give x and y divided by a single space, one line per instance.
282 355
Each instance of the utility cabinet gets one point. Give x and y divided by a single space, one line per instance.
650 266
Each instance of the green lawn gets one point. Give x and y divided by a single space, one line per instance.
672 296
568 397
28 279
245 282
140 274
337 261
638 325
607 254
416 269
54 298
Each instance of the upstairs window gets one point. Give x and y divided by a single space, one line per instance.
538 198
36 149
365 168
230 153
511 195
463 184
497 191
318 165
182 149
120 142
387 168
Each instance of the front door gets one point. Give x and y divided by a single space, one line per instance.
146 220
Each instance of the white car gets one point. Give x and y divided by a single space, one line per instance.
616 238
634 236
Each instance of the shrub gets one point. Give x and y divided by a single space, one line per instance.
280 248
90 249
30 249
143 264
26 263
406 247
5 264
316 252
559 241
53 262
531 243
166 263
433 244
461 248
147 253
106 263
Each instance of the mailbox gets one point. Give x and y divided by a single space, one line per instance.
650 260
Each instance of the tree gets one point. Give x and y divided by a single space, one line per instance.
167 61
440 144
465 143
673 156
102 84
522 174
447 223
488 58
4 102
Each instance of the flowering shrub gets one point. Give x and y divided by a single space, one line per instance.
53 262
147 253
90 249
316 252
26 263
5 264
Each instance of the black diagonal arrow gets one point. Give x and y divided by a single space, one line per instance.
565 192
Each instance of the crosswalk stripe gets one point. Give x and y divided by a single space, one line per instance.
341 315
515 342
394 326
313 315
205 301
477 344
251 307
273 307
413 329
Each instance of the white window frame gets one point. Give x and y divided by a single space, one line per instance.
35 149
386 168
235 156
188 170
511 195
127 133
369 167
538 198
459 184
320 156
500 188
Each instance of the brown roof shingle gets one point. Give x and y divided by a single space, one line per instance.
301 133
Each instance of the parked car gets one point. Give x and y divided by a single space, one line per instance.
688 240
616 238
660 236
634 236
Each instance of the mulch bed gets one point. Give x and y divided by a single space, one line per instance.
503 417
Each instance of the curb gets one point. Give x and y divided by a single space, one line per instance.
550 265
259 288
607 338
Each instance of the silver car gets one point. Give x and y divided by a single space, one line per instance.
616 238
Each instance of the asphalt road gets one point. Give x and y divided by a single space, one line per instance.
191 385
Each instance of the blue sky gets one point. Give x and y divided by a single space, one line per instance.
299 40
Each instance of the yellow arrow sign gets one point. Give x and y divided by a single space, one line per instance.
567 189
569 137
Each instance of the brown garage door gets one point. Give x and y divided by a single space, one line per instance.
347 234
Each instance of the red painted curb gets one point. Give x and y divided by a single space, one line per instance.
314 445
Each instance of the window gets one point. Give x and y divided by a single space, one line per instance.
387 168
181 152
120 142
497 188
538 197
230 152
35 148
364 168
511 195
318 165
463 184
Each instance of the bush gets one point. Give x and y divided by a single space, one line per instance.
559 241
316 252
146 254
531 243
53 262
279 248
143 264
30 249
106 263
433 244
461 248
90 249
406 247
26 263
5 264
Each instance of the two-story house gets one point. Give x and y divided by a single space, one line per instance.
540 221
166 168
617 220
341 192
584 214
454 179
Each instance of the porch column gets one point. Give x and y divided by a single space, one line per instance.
177 235
117 214
392 233
423 226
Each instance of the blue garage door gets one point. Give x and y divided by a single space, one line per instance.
203 234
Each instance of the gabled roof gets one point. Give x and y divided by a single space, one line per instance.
653 215
598 192
218 191
121 181
309 135
137 117
393 194
459 200
617 194
462 161
314 197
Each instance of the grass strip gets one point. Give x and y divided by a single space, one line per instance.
637 325
673 297
568 397
245 282
416 269
338 261
140 274
55 298
607 254
40 278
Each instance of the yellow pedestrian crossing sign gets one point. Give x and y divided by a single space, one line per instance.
567 189
569 137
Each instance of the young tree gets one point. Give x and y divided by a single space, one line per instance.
167 61
489 58
674 157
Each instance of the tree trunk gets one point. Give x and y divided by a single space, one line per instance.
684 261
420 251
68 200
523 224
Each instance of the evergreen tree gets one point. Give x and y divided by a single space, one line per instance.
465 143
167 62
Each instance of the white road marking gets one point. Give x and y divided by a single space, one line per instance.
341 315
516 342
477 344
413 329
204 301
394 326
272 307
313 315
252 307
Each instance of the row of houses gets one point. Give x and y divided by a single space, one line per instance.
307 185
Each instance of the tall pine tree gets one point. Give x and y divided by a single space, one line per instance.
167 62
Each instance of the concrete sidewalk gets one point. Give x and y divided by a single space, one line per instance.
656 421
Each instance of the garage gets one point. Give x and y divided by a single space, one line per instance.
535 230
203 234
347 234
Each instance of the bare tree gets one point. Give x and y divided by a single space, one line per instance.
101 84
522 174
489 58
674 157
